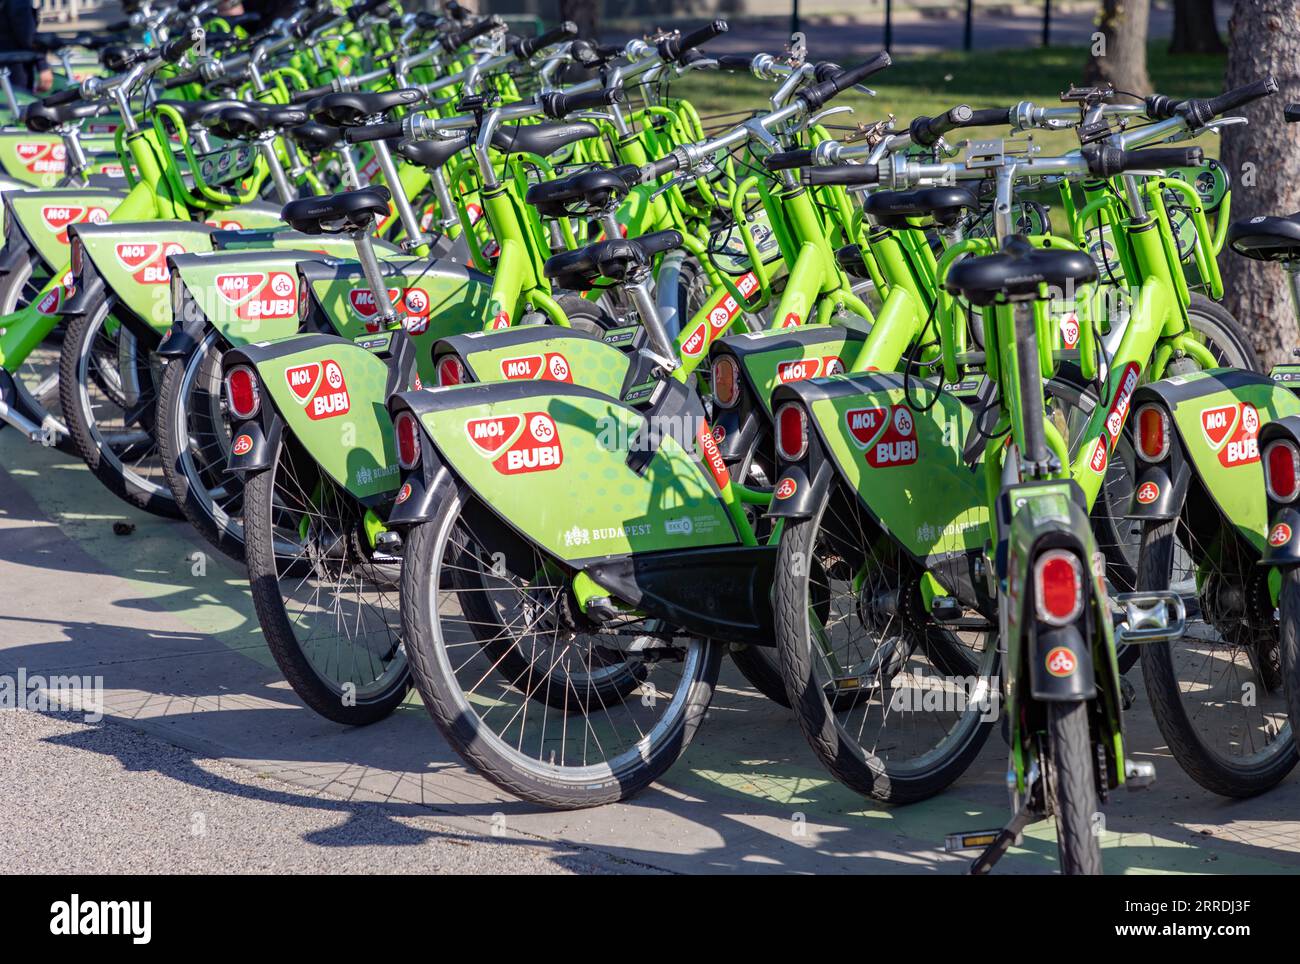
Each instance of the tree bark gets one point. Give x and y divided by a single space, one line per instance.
1195 29
1119 55
585 13
1263 159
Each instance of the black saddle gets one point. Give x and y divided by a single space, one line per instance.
596 189
541 139
194 111
614 259
337 213
354 109
1015 272
42 119
1267 238
944 205
314 137
250 121
432 155
11 57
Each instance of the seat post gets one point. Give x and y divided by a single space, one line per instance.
442 194
374 276
638 288
1293 277
266 144
6 84
410 223
77 163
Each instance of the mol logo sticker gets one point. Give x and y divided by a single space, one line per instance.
1061 661
147 260
1232 431
802 368
49 303
518 443
551 367
302 380
888 435
258 295
42 158
1100 456
58 217
693 345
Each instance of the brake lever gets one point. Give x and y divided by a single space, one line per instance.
817 118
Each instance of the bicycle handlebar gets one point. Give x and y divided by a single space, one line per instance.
788 160
360 10
557 105
845 175
373 132
528 46
814 97
173 50
452 41
1200 111
672 48
1106 161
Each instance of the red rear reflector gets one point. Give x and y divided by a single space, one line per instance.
1058 587
450 371
791 432
726 381
242 394
407 430
1282 471
1152 433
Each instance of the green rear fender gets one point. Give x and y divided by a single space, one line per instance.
45 216
780 356
330 394
247 296
1217 415
553 462
544 353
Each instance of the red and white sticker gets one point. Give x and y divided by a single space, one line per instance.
1100 456
1120 404
790 321
1147 493
502 320
259 295
712 456
887 435
549 367
786 488
43 158
1070 330
58 218
331 398
697 340
50 301
1233 431
403 493
1061 661
302 380
147 260
798 369
518 443
726 308
242 445
1280 535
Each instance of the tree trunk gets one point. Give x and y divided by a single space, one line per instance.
585 13
1195 29
1119 48
1263 159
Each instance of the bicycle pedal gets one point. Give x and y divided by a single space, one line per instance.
389 543
1139 774
955 843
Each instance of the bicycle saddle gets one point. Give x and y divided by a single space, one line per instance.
313 137
194 111
432 155
580 270
942 204
1266 238
540 139
42 119
337 213
354 109
11 57
1015 272
597 189
249 121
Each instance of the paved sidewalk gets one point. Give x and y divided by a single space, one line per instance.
183 662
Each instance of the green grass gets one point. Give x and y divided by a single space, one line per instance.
929 83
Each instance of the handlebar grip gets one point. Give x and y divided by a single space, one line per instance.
174 50
373 132
66 96
665 165
1199 112
306 28
788 160
1291 114
989 117
1243 95
672 48
741 62
926 131
845 175
558 105
459 39
813 97
358 11
530 45
1109 161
